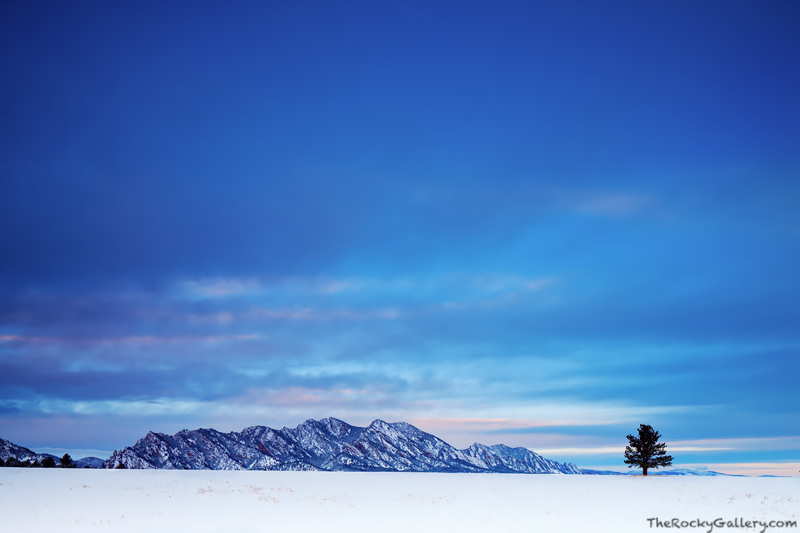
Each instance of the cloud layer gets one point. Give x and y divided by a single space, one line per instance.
503 224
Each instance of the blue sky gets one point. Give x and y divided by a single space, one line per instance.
504 222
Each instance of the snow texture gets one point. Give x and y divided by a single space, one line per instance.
35 500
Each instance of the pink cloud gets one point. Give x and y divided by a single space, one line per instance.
136 339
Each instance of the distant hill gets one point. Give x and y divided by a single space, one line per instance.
15 454
89 462
673 472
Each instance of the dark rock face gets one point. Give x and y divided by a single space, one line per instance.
328 444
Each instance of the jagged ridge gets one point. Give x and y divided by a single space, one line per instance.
328 444
9 450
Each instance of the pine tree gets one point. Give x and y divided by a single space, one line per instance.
66 461
645 451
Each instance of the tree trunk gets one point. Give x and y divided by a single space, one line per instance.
644 470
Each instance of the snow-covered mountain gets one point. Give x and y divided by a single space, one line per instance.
9 450
19 454
328 444
89 462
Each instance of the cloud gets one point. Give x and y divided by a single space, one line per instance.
597 450
619 450
150 407
612 204
318 285
755 468
322 298
741 444
476 267
132 340
323 315
522 358
221 287
603 203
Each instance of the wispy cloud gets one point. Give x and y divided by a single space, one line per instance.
220 288
321 285
129 340
619 450
536 417
320 295
149 407
595 450
604 202
323 315
303 314
741 444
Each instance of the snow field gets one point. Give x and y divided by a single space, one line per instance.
55 500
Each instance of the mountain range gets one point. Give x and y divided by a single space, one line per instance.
328 444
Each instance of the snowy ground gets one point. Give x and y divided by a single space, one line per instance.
57 500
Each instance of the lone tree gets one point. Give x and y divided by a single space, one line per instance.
645 451
66 461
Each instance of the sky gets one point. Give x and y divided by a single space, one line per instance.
504 222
